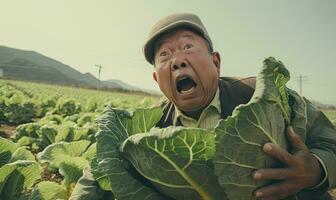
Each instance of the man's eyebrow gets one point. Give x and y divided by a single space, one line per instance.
162 40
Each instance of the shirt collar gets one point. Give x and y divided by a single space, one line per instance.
214 103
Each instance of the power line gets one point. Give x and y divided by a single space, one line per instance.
300 79
100 67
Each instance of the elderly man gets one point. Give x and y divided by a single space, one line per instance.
187 71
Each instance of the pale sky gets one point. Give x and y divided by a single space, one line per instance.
111 33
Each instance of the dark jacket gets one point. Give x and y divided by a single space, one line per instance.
321 134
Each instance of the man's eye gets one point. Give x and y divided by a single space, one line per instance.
188 46
164 53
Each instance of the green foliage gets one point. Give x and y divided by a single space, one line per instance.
29 129
51 119
47 190
331 114
69 158
101 178
91 105
262 120
66 114
67 107
179 152
45 104
35 136
85 118
2 109
18 170
65 133
7 148
16 177
115 126
16 109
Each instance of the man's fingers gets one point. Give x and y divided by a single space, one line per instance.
295 140
273 174
277 190
279 153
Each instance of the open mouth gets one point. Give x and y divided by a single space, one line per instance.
185 84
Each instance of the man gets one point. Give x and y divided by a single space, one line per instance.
187 71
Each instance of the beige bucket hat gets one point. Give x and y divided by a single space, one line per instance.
169 23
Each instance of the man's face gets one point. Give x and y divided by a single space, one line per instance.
186 72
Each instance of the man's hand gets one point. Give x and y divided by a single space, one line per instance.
301 170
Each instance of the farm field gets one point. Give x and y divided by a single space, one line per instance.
331 114
48 135
38 120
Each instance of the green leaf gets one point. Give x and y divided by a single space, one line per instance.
17 176
48 190
176 160
60 152
65 133
115 126
29 130
102 179
240 137
33 143
90 152
56 119
47 133
72 170
69 158
7 148
22 153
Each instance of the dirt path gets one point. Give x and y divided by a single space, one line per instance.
7 131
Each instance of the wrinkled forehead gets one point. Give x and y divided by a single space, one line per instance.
184 33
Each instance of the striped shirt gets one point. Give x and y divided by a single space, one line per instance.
208 119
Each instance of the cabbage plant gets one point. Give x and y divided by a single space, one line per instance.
136 160
69 159
18 170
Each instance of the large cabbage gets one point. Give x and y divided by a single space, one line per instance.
138 161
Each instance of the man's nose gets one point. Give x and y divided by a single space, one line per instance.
178 63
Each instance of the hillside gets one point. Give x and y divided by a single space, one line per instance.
33 66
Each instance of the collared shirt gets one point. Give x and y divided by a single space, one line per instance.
208 119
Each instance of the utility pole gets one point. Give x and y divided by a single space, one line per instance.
300 79
99 66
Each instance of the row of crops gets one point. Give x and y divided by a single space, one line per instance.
54 137
331 114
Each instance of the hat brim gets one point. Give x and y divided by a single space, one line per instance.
149 45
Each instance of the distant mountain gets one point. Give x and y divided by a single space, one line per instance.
322 105
128 87
33 66
121 84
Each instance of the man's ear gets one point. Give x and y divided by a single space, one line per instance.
154 76
217 61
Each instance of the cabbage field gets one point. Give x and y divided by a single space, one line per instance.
49 133
331 114
47 136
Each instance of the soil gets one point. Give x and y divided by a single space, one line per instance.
7 131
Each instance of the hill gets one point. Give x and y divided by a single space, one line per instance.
33 66
323 106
